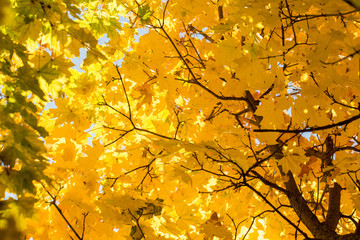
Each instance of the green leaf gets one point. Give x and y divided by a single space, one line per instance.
48 73
28 81
6 44
145 13
8 156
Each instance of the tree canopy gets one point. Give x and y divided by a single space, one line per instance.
218 119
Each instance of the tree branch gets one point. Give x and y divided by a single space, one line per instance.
310 129
276 210
53 202
333 214
307 217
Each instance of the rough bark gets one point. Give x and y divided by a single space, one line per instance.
333 214
320 230
307 217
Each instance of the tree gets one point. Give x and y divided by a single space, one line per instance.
189 119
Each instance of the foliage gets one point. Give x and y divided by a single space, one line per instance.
189 120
